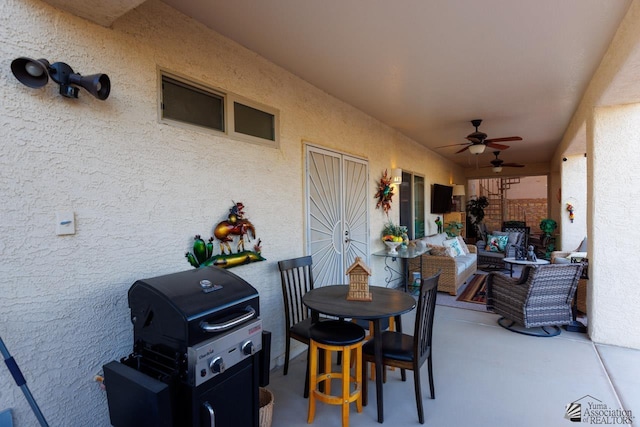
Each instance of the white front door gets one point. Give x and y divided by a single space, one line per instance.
337 213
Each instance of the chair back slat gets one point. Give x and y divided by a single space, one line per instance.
297 279
423 329
513 227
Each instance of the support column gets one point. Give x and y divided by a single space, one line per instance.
613 192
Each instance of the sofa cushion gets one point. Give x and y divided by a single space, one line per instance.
436 239
578 256
496 243
455 247
465 261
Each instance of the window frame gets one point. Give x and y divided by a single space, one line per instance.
230 118
410 204
228 100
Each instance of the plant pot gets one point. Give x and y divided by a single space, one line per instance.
266 407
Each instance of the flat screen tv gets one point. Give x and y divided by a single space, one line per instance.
441 198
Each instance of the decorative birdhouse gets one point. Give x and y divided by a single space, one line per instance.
359 281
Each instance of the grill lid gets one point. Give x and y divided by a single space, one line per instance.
196 293
182 309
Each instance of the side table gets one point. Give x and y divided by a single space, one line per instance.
404 255
576 325
512 260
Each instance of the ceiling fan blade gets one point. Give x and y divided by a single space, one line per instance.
453 145
512 165
464 149
508 138
496 146
475 140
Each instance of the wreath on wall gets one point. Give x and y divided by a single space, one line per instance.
385 193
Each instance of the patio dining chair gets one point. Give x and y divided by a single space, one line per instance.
540 298
297 279
409 351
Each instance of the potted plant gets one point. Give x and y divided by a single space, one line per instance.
453 228
475 210
547 225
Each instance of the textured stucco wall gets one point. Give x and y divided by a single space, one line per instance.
574 191
613 291
140 190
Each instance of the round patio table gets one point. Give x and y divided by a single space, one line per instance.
513 260
386 302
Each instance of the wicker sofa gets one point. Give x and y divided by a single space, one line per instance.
455 269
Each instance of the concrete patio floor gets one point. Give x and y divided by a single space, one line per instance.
485 376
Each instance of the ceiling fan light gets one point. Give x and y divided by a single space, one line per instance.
497 169
477 148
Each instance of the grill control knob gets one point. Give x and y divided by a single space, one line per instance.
248 348
217 365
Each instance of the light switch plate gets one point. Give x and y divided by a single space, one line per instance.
65 223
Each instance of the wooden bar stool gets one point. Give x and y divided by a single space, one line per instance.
344 337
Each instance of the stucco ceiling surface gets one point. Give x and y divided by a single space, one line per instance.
98 11
427 68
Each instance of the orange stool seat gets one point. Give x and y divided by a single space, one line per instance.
339 336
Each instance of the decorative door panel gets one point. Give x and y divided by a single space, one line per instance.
337 213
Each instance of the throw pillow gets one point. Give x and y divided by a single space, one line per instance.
454 245
496 243
515 237
463 245
420 245
439 250
583 246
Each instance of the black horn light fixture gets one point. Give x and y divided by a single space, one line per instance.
35 73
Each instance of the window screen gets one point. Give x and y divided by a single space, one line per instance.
189 104
254 122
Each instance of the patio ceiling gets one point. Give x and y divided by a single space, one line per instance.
426 68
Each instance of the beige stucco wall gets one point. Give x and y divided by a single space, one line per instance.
574 191
613 291
141 190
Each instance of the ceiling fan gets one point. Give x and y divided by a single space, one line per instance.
478 141
497 164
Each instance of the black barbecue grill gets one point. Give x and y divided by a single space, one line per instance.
195 361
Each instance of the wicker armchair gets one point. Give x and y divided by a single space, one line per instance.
494 260
541 297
